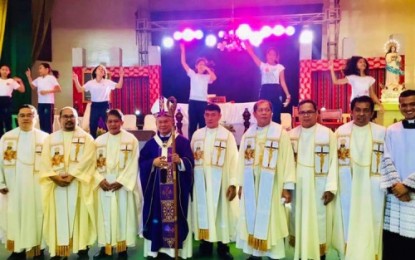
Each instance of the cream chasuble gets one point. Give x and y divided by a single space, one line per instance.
69 221
360 202
315 151
22 205
216 155
265 167
116 161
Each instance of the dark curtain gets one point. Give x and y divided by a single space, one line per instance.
41 14
17 45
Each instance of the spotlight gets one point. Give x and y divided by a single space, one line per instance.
221 34
168 42
306 37
256 39
210 40
290 30
137 112
278 30
266 31
188 34
177 36
198 34
243 32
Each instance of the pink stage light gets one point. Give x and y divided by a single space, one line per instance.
221 34
198 34
211 40
266 31
188 35
290 30
243 32
168 42
278 30
177 36
256 39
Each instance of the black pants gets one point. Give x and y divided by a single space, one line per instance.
397 247
46 114
273 93
5 115
98 110
196 113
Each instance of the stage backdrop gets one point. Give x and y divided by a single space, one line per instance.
316 83
238 78
140 90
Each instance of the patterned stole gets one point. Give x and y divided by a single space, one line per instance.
258 207
166 185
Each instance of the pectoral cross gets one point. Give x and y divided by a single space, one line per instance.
220 148
271 150
378 153
125 151
77 147
322 155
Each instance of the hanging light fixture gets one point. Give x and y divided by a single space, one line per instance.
230 40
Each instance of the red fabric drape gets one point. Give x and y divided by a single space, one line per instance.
315 81
133 96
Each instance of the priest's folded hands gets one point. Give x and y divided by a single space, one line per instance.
62 180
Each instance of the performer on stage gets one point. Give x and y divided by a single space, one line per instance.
7 85
155 163
66 176
47 86
398 177
266 173
19 183
116 176
315 150
272 80
100 88
357 75
199 82
360 201
216 154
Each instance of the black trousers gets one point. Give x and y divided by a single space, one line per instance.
196 113
273 93
46 114
5 115
397 247
98 110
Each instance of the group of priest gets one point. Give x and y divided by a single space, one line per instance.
352 190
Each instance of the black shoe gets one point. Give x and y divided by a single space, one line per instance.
83 254
223 251
122 256
205 248
254 257
59 258
41 256
323 257
17 256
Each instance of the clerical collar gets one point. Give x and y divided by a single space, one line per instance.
409 124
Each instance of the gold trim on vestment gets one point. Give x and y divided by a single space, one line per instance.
121 246
10 245
108 249
64 250
35 251
258 244
203 234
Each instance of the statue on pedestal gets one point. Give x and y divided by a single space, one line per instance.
393 86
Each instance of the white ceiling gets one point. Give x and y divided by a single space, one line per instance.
173 5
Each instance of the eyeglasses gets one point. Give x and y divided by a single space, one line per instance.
306 113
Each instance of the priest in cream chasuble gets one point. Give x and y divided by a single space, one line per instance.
67 170
266 175
214 205
116 187
360 201
21 202
315 151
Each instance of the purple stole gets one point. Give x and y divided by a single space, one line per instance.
166 185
